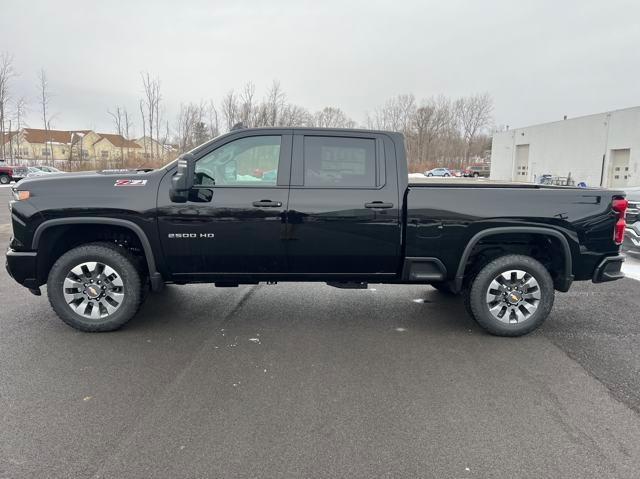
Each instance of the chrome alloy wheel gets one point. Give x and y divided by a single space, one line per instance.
513 296
93 290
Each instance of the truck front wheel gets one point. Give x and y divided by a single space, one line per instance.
511 296
5 179
95 287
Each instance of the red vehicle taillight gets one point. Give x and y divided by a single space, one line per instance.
620 205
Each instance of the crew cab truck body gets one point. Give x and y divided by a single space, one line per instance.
268 205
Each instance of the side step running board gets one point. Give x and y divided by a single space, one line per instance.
347 284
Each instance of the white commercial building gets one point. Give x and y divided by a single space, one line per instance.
601 149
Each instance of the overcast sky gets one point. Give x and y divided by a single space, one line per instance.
539 60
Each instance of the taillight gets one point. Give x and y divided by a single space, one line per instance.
620 205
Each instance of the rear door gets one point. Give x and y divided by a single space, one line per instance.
344 209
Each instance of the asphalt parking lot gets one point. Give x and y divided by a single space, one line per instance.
303 380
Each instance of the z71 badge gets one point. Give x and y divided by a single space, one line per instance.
130 183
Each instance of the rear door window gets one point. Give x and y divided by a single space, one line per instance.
339 162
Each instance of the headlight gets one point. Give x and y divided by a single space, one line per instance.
21 195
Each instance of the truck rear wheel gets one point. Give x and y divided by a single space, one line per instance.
5 179
511 296
95 287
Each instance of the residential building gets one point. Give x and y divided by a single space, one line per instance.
116 147
600 150
7 143
151 148
32 144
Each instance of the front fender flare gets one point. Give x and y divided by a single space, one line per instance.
154 276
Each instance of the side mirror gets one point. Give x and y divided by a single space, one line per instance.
182 181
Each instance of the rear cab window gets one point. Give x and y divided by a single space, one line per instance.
339 162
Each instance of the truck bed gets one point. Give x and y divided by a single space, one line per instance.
479 183
444 216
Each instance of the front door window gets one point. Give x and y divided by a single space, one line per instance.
250 161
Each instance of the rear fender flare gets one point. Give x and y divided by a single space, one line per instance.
568 262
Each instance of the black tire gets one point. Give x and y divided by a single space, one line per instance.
475 175
111 255
429 174
444 288
476 296
5 179
447 174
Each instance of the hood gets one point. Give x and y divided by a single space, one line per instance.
82 175
92 192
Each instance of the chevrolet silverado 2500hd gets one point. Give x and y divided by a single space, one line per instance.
294 204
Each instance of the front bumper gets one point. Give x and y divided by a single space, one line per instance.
609 269
23 267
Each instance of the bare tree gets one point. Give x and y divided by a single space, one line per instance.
474 114
122 124
396 114
213 123
187 118
274 104
44 97
144 127
439 131
165 138
127 124
6 74
43 94
116 116
230 109
247 105
332 117
432 120
151 102
294 115
20 111
160 143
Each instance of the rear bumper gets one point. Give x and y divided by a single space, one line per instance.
23 267
609 269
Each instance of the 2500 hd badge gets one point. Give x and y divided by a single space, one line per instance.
190 235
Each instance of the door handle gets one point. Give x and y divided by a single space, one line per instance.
378 204
267 204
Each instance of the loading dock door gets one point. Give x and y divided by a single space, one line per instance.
620 173
521 172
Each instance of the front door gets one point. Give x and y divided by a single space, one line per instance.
234 221
344 211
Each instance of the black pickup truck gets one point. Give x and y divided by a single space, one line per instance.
330 205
